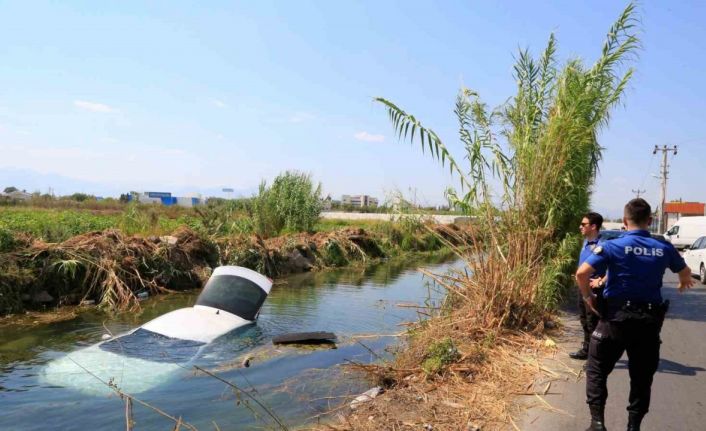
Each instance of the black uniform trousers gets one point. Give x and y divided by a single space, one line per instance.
618 332
588 319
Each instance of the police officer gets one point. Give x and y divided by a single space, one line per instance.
590 230
631 311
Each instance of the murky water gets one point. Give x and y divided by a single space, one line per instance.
297 384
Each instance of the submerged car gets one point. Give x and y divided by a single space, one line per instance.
147 356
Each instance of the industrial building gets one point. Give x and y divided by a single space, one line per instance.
164 198
359 201
675 210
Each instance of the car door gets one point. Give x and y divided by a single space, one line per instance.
691 255
699 255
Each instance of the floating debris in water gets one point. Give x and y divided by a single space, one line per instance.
319 337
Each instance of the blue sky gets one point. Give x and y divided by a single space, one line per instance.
104 97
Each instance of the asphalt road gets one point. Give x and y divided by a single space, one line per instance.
679 389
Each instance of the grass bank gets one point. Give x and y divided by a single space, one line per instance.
63 257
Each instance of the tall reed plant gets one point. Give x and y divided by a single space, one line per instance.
531 165
291 203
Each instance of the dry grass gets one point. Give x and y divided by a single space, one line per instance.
479 390
491 322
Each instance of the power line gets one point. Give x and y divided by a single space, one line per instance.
638 192
647 172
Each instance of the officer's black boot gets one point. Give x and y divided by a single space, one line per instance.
597 418
634 421
580 354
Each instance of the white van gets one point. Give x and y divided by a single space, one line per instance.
685 231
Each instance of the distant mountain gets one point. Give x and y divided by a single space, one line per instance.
32 181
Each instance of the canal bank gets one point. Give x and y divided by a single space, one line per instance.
366 307
114 271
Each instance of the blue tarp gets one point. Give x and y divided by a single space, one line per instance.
168 200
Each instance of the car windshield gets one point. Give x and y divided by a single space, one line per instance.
150 346
233 294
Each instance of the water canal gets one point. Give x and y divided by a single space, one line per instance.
298 384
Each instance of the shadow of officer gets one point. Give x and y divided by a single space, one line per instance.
631 312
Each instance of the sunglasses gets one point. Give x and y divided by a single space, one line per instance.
585 224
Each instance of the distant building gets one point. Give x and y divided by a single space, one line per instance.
164 198
17 195
673 211
359 201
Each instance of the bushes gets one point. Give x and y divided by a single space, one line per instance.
222 217
440 355
333 254
7 240
292 203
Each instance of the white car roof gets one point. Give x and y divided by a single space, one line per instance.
254 276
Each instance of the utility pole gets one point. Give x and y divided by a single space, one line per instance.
638 192
663 193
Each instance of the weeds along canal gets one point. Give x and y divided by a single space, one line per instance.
297 384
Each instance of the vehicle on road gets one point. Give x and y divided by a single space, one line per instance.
686 231
695 257
147 356
609 234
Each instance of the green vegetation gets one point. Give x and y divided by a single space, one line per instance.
108 256
7 240
56 225
545 165
292 203
439 356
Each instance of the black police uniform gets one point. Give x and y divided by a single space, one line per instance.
588 319
632 313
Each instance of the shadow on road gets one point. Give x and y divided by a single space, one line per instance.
668 367
690 305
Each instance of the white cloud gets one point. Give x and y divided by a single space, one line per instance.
368 137
301 117
219 103
94 106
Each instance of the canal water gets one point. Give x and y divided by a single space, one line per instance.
297 384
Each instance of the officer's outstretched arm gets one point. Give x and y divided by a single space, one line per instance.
685 279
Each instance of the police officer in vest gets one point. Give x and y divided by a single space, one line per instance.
631 311
590 230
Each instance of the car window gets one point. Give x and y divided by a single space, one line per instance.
699 243
233 294
673 231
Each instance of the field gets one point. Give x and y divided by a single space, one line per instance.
56 225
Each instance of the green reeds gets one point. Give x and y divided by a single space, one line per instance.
291 203
531 165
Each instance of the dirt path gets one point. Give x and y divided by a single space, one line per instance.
679 389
